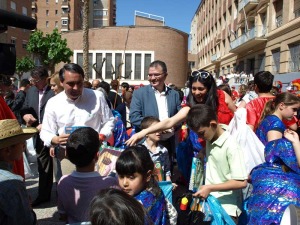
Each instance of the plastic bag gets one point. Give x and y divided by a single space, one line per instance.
219 215
166 187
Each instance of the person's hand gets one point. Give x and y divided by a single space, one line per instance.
39 127
291 135
203 192
60 140
52 152
174 186
134 139
29 119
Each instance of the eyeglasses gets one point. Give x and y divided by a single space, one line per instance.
202 74
155 74
35 81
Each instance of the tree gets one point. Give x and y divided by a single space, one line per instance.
24 65
85 30
50 49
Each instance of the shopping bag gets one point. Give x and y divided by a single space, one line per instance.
166 187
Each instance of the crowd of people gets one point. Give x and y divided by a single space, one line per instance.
69 119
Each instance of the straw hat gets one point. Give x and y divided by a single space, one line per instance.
11 133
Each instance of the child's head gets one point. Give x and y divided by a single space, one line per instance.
285 104
115 207
147 122
263 81
12 139
202 119
82 146
135 169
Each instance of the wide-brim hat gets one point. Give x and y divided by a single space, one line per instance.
12 133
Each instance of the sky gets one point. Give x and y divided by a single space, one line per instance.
177 13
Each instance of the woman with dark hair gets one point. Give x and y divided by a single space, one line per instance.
203 90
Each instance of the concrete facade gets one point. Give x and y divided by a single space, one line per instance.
128 51
247 35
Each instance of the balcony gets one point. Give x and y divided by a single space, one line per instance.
65 4
33 15
215 58
64 15
247 5
249 39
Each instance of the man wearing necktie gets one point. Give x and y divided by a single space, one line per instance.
33 113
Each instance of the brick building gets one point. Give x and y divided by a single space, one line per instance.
129 50
15 35
247 35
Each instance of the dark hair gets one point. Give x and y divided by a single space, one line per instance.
181 95
136 159
114 84
40 72
285 97
264 81
71 67
87 84
226 88
200 116
148 121
125 85
105 86
161 64
82 145
24 83
211 98
115 207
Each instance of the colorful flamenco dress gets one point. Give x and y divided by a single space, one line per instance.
276 183
271 122
224 113
155 206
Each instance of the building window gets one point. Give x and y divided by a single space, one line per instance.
98 65
261 62
24 11
118 61
47 23
294 62
100 12
13 40
47 1
13 6
146 65
47 12
56 12
80 62
276 60
24 44
108 63
128 65
56 23
97 23
138 66
64 22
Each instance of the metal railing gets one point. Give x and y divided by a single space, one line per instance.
254 32
279 21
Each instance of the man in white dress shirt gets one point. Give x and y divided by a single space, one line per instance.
75 107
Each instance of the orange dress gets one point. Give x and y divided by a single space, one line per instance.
6 113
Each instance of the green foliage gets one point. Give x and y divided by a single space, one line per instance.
24 65
51 49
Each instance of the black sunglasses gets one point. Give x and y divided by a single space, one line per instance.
202 74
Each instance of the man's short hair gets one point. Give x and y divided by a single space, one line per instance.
200 115
147 121
105 86
24 83
264 81
161 64
40 72
71 67
125 85
82 145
